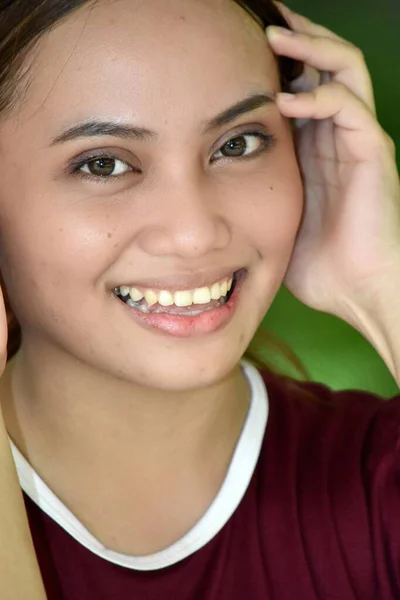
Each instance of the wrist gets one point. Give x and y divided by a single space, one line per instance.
378 321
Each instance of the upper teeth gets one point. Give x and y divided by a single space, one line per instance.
181 298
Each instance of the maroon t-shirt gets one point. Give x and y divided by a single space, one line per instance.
320 519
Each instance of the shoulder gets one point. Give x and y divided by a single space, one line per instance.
348 425
338 454
314 405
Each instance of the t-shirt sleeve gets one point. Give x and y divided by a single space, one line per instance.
346 452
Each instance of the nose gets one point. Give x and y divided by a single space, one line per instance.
189 222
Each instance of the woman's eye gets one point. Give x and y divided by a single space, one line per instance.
109 167
244 145
104 167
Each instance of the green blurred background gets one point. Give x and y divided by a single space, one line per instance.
333 352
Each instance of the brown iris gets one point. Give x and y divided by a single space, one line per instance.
101 167
235 147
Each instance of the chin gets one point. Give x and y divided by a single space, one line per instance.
175 366
185 371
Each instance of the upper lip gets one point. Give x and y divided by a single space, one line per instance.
184 281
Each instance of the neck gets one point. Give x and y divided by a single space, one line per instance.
57 406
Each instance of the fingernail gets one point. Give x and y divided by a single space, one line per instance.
273 32
287 97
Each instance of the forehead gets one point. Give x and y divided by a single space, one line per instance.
159 54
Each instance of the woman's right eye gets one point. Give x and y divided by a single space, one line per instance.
102 167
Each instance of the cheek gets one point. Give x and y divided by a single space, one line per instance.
50 254
273 206
275 225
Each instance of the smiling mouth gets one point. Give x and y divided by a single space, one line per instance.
188 303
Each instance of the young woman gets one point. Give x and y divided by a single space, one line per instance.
157 188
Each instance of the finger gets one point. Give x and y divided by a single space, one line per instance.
302 24
345 62
3 333
308 80
364 137
311 77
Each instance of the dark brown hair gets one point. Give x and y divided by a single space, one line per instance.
24 22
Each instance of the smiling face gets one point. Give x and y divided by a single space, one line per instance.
125 165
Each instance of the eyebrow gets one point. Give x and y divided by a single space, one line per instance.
240 108
96 128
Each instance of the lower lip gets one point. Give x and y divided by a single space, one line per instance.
183 327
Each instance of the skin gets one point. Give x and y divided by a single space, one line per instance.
91 392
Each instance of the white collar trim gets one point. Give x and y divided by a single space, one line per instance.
217 515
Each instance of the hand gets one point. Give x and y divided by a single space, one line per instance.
348 245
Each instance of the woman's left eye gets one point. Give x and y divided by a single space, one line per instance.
245 144
105 167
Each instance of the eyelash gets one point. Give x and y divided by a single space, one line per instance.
267 142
